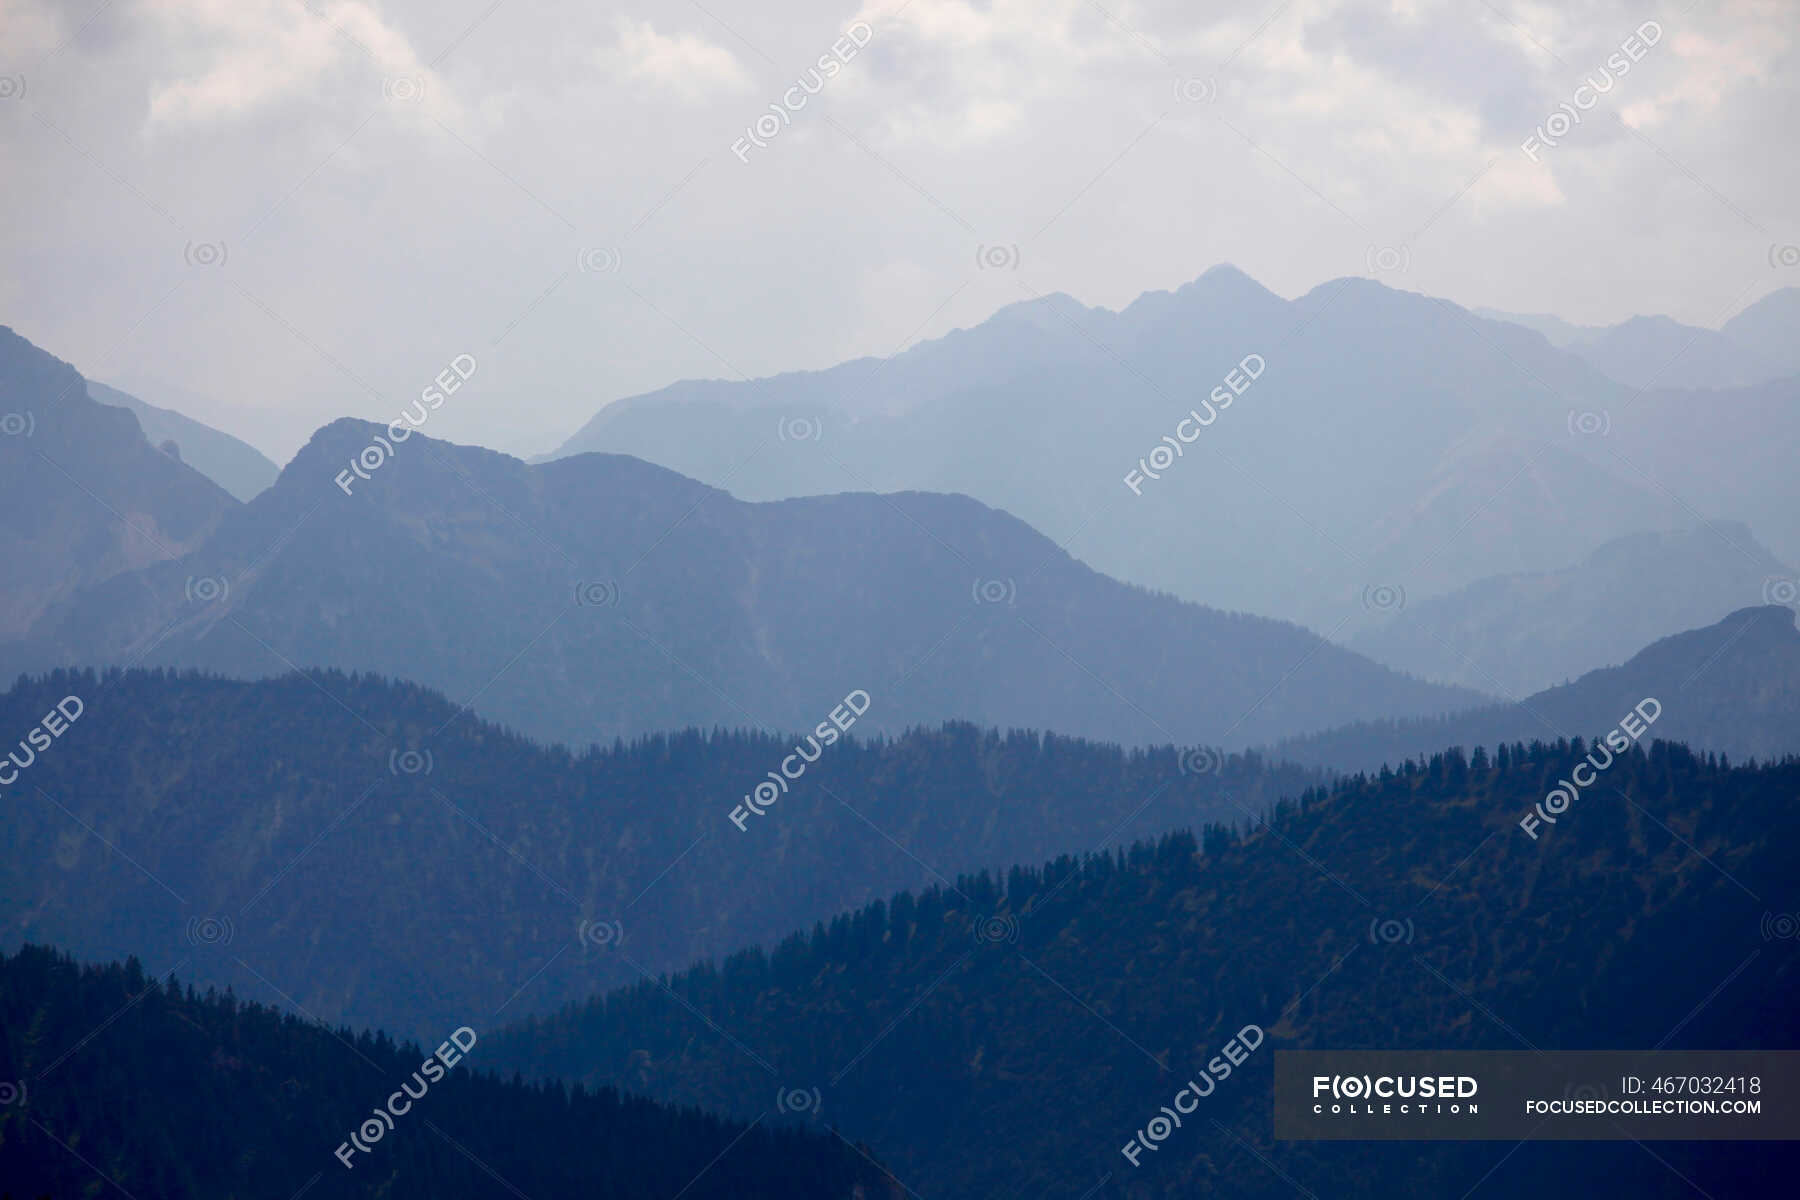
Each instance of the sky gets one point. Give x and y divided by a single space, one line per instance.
270 213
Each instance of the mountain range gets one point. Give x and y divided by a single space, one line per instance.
1756 345
87 498
999 1035
1475 447
245 833
1732 687
118 1080
236 466
598 596
1517 634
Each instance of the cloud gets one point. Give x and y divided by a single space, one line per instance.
230 60
372 238
682 66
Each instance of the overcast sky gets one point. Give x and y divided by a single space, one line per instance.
271 213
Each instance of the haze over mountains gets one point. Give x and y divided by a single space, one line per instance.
1393 444
907 675
86 496
599 596
235 466
1732 687
1513 635
241 830
1757 345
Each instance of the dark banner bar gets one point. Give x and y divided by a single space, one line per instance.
1575 1095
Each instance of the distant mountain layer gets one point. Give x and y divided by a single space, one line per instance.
1732 687
235 466
1760 344
598 596
119 1080
993 1037
279 815
1312 459
86 497
1767 328
1513 635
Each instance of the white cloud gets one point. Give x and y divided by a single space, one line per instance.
232 59
684 66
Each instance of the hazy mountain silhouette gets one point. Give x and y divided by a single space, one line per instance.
1338 470
86 497
1770 328
599 596
1756 346
236 466
1513 635
1732 687
1660 352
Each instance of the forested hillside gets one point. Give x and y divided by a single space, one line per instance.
361 848
1022 1027
117 1081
